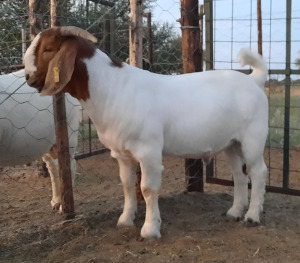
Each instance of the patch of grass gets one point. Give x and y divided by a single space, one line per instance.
84 133
276 121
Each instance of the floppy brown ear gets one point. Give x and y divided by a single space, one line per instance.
60 69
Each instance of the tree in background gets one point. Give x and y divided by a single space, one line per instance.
97 19
166 49
12 17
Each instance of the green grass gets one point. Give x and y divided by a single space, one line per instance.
276 121
84 132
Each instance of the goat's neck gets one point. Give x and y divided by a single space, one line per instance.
106 88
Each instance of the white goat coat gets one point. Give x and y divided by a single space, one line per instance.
194 116
140 116
27 129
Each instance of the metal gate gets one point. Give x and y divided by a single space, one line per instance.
282 152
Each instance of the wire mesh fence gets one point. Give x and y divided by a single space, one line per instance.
109 22
235 26
92 237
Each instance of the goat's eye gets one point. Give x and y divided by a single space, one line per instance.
48 50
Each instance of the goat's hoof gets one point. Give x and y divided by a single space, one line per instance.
55 206
233 218
251 223
252 218
125 220
149 231
234 214
125 223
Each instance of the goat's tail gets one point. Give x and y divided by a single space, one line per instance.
260 71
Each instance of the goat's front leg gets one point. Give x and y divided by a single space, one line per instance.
151 180
52 166
128 178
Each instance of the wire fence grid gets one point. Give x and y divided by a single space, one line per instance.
234 26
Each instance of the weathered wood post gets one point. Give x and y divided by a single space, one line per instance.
35 20
209 61
192 62
135 33
32 18
33 30
136 58
62 141
259 27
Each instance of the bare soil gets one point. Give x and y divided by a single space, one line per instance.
193 228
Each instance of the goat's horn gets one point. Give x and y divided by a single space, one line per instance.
73 30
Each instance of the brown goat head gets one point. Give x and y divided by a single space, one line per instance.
54 61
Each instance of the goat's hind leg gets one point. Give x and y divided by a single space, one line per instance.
253 151
128 178
240 201
258 173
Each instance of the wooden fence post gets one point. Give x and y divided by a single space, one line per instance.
32 18
192 62
62 141
135 33
136 59
33 30
209 60
259 27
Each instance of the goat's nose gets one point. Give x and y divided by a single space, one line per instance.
27 76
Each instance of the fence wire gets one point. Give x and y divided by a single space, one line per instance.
192 223
234 27
109 22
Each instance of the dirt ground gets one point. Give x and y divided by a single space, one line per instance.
193 228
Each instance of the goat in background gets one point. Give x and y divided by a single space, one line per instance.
27 130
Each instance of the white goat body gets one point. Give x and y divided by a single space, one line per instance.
188 115
140 116
27 130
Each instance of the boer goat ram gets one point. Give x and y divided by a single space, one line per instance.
27 130
141 116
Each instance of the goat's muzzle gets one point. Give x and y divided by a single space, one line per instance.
34 82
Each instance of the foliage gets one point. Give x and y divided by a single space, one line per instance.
11 22
109 25
276 121
167 50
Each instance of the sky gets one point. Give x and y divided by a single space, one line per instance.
230 35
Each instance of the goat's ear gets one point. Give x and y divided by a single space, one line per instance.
60 69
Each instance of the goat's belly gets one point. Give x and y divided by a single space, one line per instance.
195 150
200 144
